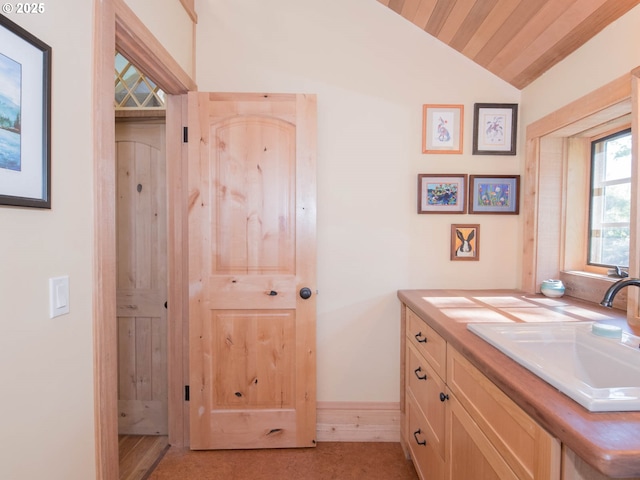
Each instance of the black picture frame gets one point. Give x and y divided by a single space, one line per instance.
25 118
495 128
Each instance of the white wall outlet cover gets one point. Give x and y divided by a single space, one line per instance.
58 296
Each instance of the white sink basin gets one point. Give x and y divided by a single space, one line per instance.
601 374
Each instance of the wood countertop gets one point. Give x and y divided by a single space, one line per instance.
608 441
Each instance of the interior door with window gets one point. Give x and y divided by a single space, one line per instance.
252 267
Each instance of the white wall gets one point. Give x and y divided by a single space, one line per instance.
171 25
46 366
612 53
372 72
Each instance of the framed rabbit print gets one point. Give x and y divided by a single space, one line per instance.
465 242
442 128
495 128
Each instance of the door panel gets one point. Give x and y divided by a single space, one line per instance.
141 278
252 212
249 347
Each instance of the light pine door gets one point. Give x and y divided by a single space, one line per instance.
252 267
141 228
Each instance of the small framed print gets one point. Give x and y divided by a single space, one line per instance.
494 194
465 242
442 128
442 193
495 128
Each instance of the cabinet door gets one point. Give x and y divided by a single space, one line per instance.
470 453
429 464
528 449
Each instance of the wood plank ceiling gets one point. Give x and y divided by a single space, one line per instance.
517 40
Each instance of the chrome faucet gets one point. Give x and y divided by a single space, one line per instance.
611 292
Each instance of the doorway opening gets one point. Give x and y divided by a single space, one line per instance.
141 270
117 27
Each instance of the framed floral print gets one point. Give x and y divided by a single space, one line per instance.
494 194
442 193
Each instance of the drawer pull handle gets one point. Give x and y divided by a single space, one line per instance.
420 338
415 436
420 377
443 397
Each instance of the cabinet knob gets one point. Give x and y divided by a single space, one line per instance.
443 396
420 338
305 293
415 436
417 372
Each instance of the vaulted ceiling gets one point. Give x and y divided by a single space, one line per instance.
518 40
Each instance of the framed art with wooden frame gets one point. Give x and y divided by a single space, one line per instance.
494 194
442 128
25 118
465 242
442 193
495 128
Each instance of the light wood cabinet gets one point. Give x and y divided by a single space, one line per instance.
471 455
458 424
425 366
512 442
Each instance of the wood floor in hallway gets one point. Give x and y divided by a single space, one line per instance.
138 454
328 461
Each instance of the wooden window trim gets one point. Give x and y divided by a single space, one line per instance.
142 49
190 9
545 201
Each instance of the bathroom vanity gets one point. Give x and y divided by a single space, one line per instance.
469 411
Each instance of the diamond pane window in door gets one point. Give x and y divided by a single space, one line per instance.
133 90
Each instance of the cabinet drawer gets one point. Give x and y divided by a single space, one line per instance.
425 387
430 345
428 463
527 448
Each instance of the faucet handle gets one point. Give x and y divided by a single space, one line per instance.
618 272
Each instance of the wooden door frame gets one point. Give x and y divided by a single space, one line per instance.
116 26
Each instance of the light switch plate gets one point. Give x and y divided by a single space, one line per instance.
58 296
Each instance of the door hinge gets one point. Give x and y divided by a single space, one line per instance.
185 134
186 393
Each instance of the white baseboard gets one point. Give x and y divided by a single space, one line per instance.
358 421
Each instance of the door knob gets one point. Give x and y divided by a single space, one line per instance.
305 292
